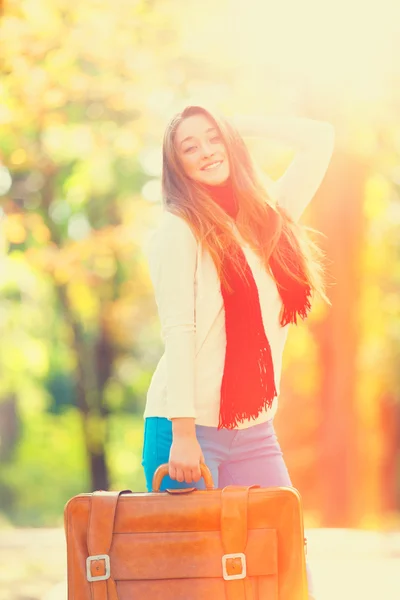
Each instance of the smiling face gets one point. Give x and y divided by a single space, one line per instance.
201 150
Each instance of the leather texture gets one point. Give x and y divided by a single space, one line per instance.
170 546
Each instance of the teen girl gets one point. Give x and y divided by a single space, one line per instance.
232 268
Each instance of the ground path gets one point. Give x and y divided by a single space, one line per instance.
347 564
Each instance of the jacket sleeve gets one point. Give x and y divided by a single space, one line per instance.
298 185
172 256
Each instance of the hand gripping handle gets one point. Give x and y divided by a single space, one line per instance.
162 471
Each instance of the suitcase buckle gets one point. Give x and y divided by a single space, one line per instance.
225 573
89 561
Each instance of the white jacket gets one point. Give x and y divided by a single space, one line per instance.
187 381
188 377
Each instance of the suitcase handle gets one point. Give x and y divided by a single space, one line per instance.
163 470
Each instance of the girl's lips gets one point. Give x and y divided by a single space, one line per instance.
211 166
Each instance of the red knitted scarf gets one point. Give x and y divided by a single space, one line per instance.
248 383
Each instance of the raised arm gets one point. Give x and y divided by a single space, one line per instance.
313 142
172 261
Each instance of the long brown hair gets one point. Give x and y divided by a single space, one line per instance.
262 223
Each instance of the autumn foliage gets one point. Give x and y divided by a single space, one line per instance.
85 92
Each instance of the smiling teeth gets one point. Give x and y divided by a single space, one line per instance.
212 166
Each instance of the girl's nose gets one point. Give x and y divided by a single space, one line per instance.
207 150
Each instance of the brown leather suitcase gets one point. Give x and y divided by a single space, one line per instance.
238 543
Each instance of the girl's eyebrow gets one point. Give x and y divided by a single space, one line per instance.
190 137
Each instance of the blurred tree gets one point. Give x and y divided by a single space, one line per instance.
77 136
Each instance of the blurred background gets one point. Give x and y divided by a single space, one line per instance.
85 93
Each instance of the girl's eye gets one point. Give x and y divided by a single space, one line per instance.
216 138
189 149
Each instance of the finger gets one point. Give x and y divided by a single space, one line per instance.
188 475
196 474
172 471
179 475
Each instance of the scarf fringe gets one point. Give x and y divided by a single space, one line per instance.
291 310
234 389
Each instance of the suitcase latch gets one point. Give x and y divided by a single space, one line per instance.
92 559
234 565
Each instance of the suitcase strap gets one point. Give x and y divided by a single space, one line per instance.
100 533
234 530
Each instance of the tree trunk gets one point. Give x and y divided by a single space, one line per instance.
10 431
89 397
95 433
389 483
89 384
93 411
99 471
340 217
10 428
